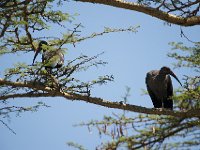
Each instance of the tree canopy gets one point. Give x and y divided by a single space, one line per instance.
23 24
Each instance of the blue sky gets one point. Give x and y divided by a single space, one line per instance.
130 56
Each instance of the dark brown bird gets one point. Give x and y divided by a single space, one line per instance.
50 58
159 87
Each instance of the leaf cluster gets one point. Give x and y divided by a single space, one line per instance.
189 97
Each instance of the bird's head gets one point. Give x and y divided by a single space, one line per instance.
166 70
39 49
41 44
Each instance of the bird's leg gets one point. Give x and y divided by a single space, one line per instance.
57 72
157 103
57 76
52 79
49 72
168 103
59 85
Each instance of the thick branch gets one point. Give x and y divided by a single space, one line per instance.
21 95
93 100
183 21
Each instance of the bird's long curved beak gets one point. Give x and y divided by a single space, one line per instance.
172 74
36 53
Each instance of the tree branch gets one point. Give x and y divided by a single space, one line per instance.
22 95
174 19
5 124
94 100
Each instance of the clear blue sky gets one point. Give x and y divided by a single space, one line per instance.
130 56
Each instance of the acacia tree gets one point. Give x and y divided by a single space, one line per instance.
159 131
22 19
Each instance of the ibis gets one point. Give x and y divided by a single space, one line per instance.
160 88
51 58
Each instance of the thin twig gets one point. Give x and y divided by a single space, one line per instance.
8 127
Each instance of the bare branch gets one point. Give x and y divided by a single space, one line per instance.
30 94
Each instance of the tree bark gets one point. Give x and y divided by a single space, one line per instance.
170 18
50 92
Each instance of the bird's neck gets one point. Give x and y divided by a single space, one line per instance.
161 74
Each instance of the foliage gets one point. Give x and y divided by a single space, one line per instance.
190 95
21 22
21 26
154 131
